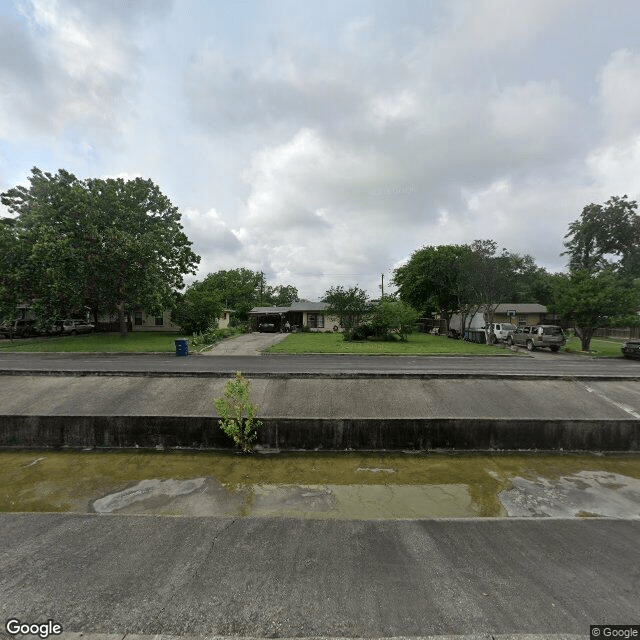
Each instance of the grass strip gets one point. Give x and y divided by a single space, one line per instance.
417 344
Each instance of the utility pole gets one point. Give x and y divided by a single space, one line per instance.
382 296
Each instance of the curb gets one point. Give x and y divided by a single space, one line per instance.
318 374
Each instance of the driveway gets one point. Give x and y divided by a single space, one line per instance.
248 344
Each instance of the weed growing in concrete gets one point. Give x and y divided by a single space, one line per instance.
237 414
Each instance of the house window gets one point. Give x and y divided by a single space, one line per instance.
522 320
159 321
137 318
315 321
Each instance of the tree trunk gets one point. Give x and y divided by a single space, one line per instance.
122 320
585 338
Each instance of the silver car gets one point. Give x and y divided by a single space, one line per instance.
538 335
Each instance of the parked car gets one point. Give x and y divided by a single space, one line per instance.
631 349
18 329
500 331
536 336
72 327
267 327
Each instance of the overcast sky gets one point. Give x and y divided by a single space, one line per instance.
325 141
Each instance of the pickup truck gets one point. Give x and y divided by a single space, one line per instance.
539 335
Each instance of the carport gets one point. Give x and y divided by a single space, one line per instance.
272 315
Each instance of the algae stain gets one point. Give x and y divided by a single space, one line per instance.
346 485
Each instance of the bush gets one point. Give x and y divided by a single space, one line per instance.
361 332
237 414
206 338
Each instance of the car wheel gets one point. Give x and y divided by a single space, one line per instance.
74 332
510 341
530 345
554 348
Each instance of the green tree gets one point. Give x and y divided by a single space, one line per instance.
392 317
606 237
436 279
238 289
10 261
197 309
593 300
348 305
282 295
97 244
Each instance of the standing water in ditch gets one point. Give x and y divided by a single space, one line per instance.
321 485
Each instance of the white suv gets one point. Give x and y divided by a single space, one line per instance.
76 326
500 331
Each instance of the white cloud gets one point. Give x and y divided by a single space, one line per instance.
339 144
533 118
619 84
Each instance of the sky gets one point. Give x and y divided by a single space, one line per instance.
323 142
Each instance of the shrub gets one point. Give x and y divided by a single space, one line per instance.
237 414
206 338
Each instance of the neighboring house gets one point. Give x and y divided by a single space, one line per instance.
140 320
298 314
522 313
517 313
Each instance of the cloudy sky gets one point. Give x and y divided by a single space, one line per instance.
325 141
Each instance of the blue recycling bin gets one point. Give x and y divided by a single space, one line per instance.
182 347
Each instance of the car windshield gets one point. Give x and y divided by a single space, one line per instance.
552 331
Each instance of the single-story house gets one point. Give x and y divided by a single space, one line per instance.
143 321
298 314
522 313
519 313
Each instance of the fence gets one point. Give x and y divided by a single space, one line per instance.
617 332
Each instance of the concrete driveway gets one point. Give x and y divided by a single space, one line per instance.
248 344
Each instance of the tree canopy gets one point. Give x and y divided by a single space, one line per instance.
604 267
348 305
242 289
98 244
606 237
593 300
450 279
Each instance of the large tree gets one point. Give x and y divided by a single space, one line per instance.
436 279
10 260
197 309
593 300
348 305
282 295
463 279
606 236
239 289
101 244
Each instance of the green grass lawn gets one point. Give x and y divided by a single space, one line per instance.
417 343
151 341
599 347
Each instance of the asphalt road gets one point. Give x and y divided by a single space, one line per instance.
540 364
299 578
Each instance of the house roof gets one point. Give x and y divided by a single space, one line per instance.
521 307
268 310
296 306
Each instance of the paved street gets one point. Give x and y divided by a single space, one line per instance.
540 364
297 578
